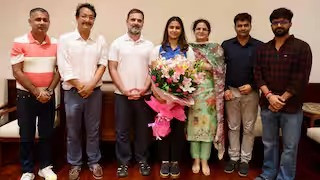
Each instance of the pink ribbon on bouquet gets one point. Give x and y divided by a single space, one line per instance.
166 112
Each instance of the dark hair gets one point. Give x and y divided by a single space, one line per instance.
86 5
196 22
242 17
38 9
182 41
132 11
281 13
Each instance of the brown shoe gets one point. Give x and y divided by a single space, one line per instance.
96 170
74 173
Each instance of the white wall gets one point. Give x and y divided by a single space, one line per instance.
111 15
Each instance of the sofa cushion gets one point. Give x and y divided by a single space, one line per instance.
314 133
11 130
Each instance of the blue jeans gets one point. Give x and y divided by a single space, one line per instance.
290 125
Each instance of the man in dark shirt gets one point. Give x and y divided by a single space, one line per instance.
282 72
241 93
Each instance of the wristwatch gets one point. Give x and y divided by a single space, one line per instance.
50 91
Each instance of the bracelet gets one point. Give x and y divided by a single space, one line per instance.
266 94
269 95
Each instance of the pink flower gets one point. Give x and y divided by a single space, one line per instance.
178 90
157 84
169 80
179 70
154 78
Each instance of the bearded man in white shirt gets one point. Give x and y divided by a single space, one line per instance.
128 67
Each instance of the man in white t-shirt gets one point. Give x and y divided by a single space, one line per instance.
128 67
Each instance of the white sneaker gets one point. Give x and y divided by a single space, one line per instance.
27 176
47 173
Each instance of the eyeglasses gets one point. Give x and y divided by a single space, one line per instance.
91 18
282 22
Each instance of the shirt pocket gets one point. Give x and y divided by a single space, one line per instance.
289 57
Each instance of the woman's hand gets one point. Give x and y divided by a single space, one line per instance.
155 94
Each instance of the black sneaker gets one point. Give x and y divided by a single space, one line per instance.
165 170
174 170
144 168
122 171
243 169
231 165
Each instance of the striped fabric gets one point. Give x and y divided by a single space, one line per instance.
39 60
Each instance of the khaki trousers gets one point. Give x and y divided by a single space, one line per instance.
241 109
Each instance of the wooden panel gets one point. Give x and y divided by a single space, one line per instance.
12 96
107 126
312 93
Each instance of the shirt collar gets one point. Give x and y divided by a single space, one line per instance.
250 41
128 38
32 40
77 36
169 47
273 41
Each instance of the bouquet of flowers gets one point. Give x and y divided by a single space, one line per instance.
173 80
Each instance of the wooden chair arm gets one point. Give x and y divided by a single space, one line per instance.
5 109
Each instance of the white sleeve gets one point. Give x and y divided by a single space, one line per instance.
63 61
155 54
114 52
103 60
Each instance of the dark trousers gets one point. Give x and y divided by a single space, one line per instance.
171 146
28 109
136 114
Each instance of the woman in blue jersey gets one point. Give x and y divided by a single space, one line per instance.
170 147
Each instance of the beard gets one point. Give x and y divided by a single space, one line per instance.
135 30
280 32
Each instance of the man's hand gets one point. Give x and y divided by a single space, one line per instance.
86 90
276 102
245 89
43 96
228 95
271 108
143 91
132 94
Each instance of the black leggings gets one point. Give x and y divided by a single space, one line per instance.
171 146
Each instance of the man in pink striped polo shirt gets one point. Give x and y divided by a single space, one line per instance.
33 59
